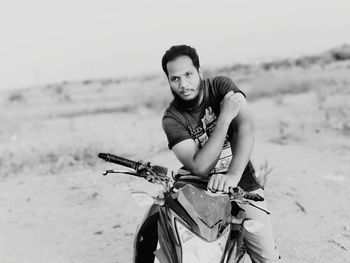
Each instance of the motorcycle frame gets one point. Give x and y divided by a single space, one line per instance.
170 246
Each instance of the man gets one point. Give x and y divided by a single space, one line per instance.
210 130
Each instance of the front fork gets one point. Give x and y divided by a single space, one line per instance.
235 250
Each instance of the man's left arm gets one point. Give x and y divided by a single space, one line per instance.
242 142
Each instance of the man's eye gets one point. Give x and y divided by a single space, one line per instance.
174 79
188 74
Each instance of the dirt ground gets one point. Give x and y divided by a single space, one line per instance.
82 216
55 205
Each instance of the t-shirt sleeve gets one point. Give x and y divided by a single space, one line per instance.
222 85
175 131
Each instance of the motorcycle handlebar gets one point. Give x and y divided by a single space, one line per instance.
254 197
139 167
162 171
118 160
237 191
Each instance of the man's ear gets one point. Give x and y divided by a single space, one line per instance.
200 72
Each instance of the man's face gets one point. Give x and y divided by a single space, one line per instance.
184 78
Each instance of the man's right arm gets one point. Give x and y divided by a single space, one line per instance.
202 161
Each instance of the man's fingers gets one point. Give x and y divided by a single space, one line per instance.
226 188
212 182
228 94
221 184
216 182
239 98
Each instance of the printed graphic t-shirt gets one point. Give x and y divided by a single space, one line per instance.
198 124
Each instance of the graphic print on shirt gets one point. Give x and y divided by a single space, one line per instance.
201 134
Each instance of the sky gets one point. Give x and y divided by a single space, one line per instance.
45 41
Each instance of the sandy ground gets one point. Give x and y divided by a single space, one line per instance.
84 217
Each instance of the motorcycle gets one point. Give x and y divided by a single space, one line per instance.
188 223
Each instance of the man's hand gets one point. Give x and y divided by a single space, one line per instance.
231 104
222 182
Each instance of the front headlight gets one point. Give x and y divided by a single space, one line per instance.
196 249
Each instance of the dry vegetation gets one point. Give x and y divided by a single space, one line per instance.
62 126
302 114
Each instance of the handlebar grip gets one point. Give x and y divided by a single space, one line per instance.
254 197
118 160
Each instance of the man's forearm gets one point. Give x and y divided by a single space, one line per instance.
241 146
206 158
202 161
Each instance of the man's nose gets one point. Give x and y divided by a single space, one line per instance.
183 83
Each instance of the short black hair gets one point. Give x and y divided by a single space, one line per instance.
177 51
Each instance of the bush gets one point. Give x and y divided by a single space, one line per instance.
16 98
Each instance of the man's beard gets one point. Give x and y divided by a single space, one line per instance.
189 104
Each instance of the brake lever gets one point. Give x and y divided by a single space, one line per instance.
260 208
106 172
238 194
145 173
